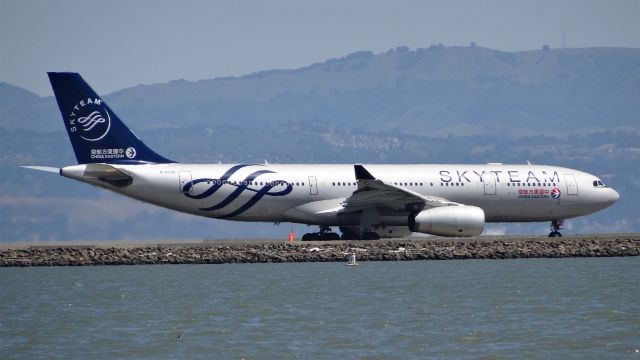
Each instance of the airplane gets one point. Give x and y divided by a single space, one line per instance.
365 201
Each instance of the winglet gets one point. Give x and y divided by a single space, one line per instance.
362 173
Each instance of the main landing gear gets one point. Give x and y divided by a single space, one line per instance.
324 234
556 225
366 235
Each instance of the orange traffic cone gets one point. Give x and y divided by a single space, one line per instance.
291 236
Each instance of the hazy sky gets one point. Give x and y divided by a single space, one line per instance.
117 44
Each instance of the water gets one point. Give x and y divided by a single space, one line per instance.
534 308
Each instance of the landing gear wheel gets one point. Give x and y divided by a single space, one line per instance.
325 234
332 236
556 225
350 236
370 235
310 237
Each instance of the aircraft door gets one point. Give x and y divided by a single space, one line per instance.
572 185
489 182
185 179
313 185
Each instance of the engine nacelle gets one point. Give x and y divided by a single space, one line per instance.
449 221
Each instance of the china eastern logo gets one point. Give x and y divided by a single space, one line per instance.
130 152
89 119
555 193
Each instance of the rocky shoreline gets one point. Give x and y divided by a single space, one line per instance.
214 252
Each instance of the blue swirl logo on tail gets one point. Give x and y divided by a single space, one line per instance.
240 187
95 126
90 121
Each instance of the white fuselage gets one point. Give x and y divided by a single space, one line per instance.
314 194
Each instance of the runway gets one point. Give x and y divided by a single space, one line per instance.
78 253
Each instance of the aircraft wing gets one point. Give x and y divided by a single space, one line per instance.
374 192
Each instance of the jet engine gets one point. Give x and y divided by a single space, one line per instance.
449 221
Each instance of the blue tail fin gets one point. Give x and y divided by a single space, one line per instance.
96 133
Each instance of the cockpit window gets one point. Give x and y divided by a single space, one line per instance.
598 183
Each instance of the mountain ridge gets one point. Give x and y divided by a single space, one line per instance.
432 91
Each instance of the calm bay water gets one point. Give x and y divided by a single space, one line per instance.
534 308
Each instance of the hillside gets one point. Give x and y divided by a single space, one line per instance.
432 92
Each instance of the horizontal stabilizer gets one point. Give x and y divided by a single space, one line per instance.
100 172
43 168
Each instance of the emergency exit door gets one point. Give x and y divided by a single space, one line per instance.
185 181
313 185
489 182
572 185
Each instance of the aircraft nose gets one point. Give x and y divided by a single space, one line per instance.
613 196
608 197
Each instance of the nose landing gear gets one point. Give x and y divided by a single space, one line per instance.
556 225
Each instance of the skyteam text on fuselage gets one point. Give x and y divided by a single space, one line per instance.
364 201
